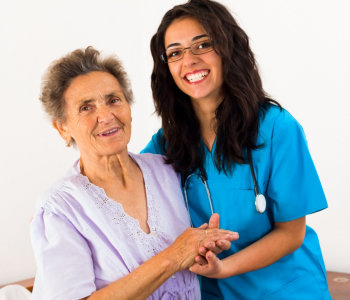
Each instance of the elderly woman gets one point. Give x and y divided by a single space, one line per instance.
114 227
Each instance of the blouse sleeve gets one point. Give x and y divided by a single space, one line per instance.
64 263
294 186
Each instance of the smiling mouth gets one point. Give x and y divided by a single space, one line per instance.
109 132
198 76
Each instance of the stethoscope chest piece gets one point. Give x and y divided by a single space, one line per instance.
260 203
260 200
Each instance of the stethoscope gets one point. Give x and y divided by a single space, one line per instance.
260 201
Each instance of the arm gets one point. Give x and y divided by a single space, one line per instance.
285 238
140 283
145 279
300 195
65 268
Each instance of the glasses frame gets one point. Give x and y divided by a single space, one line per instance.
164 58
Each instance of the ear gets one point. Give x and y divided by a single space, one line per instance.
62 130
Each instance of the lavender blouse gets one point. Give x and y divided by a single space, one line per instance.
83 240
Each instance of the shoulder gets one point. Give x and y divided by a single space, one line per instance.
274 114
149 158
59 194
155 166
156 144
276 121
153 162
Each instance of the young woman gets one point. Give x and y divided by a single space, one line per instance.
240 155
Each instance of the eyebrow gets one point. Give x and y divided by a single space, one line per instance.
110 95
107 96
193 39
84 102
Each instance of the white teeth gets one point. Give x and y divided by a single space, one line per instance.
196 76
109 131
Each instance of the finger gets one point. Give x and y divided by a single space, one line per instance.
219 231
220 234
203 226
211 246
212 264
214 221
235 236
212 258
200 260
195 268
223 245
202 250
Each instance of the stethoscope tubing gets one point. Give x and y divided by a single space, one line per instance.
256 188
260 201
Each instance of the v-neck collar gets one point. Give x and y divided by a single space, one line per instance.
206 149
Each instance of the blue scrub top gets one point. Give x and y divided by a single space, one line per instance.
287 177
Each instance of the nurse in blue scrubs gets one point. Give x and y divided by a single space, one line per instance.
232 143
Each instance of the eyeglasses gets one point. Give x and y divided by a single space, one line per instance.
197 48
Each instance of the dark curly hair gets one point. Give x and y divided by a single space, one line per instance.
238 114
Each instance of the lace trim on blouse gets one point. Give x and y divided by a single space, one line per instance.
150 242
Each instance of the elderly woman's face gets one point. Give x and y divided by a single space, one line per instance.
98 117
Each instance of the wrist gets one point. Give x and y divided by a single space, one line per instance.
169 262
227 268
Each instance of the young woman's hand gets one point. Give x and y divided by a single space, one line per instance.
218 246
212 268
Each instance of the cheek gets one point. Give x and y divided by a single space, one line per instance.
175 72
218 63
126 116
83 126
80 124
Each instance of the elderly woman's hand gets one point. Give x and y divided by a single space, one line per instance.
186 247
217 247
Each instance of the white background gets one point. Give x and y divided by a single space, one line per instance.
303 50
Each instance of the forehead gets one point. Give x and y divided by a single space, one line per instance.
183 30
91 85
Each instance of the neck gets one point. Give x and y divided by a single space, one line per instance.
116 168
205 110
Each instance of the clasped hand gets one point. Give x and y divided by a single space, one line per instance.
207 263
196 248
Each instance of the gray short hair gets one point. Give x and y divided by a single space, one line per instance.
61 72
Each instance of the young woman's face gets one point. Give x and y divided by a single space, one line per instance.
199 76
98 115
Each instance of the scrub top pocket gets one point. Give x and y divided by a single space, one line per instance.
234 200
237 211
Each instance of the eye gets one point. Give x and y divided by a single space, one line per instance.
173 53
85 108
115 100
204 45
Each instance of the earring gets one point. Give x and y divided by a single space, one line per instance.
68 143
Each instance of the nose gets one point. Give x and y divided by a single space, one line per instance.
104 114
189 58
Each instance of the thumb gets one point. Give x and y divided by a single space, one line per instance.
214 221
